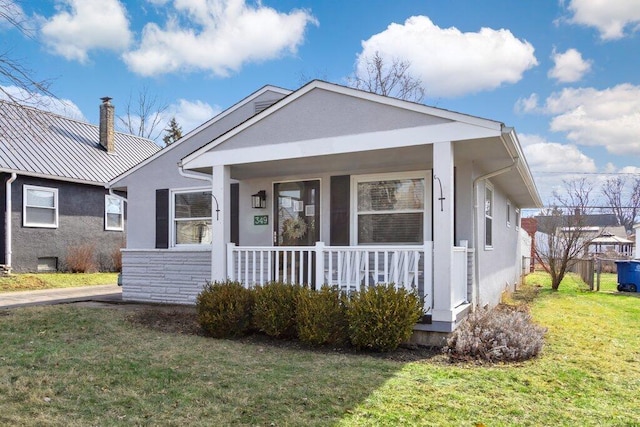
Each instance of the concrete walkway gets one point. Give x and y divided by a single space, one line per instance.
104 293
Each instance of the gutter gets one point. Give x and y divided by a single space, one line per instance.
8 250
476 229
194 175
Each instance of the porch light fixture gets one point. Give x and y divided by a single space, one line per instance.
259 200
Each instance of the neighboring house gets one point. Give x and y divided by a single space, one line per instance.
601 234
53 172
332 185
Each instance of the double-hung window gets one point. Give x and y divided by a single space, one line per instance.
390 209
113 213
39 207
191 217
488 217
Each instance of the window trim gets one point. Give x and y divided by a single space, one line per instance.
488 187
172 217
56 207
106 222
389 176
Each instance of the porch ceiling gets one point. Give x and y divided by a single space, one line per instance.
394 159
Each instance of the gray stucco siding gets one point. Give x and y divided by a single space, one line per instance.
80 221
162 173
164 276
322 114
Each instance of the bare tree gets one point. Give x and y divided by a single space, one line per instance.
388 79
17 81
146 117
564 236
625 206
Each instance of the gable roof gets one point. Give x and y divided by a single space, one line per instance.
326 125
447 115
38 143
195 132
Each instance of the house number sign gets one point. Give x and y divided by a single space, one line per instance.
261 220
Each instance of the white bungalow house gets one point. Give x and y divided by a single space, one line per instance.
330 184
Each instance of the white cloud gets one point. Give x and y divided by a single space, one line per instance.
191 114
527 105
630 169
218 36
551 163
609 118
62 107
450 62
569 66
610 18
545 156
83 25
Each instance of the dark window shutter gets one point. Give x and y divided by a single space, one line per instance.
235 213
340 209
162 218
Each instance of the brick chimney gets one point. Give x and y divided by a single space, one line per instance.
107 112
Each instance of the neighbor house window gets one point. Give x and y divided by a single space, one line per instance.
40 207
517 219
390 209
113 213
191 217
488 217
508 213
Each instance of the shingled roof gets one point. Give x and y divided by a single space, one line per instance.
38 143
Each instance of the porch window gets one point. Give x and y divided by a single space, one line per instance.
113 213
191 217
488 217
390 211
40 207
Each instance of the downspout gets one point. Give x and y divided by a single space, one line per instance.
476 228
7 222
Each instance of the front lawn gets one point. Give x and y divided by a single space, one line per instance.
32 282
72 365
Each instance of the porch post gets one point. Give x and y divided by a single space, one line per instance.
443 218
220 226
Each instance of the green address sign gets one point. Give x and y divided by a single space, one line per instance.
261 220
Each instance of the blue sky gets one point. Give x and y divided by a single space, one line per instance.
563 73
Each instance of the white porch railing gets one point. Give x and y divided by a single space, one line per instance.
349 267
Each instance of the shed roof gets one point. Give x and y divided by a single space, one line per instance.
39 143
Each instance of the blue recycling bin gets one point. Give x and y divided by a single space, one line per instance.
628 275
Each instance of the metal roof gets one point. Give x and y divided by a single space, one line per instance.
40 143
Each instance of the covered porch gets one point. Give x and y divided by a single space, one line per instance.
347 241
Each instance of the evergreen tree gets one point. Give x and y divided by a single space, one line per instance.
173 132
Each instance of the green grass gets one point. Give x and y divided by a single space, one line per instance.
31 282
67 365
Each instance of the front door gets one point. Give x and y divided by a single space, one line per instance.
297 213
296 223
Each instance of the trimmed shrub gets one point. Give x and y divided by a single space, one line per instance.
321 316
274 310
224 309
504 334
81 258
382 317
